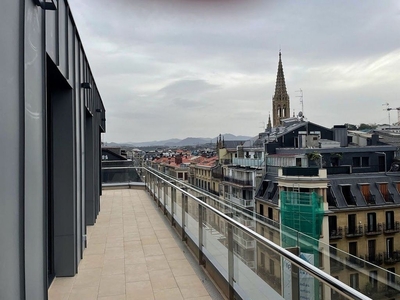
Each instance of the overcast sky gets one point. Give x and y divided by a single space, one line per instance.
179 68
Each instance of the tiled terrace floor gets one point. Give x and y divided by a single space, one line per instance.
133 254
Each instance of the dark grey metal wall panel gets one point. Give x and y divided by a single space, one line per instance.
89 168
34 174
71 49
23 109
11 135
64 180
81 134
78 161
62 37
97 169
52 34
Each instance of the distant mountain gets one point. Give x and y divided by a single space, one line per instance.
189 141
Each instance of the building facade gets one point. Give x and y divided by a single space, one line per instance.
358 193
51 120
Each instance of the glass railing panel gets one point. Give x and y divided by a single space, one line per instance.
192 220
351 270
370 279
119 175
257 274
161 191
178 208
215 242
155 188
168 199
269 267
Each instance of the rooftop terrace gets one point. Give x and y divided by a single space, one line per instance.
133 253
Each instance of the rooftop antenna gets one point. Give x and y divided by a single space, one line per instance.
388 110
301 99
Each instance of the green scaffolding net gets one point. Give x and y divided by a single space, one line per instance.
301 219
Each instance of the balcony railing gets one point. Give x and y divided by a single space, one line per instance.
300 171
391 257
120 176
357 231
216 193
336 266
395 227
370 199
242 202
389 197
373 230
270 222
376 259
250 162
336 233
215 248
272 231
238 181
245 221
354 262
246 244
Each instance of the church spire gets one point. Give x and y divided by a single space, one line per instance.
269 125
280 101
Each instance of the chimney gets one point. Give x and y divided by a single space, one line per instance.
178 159
340 134
374 139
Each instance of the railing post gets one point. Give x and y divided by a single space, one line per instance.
145 181
201 210
165 186
159 186
231 292
184 202
173 203
295 274
153 186
148 178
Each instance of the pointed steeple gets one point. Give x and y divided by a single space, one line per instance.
280 86
280 101
269 125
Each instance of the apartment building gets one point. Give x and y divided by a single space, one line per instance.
354 188
176 166
201 174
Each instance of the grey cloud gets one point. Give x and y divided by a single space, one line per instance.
178 68
187 87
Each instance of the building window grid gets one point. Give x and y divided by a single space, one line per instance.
354 281
373 279
361 162
371 221
389 220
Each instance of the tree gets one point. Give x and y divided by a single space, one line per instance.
364 126
351 126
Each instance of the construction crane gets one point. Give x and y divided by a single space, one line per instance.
393 108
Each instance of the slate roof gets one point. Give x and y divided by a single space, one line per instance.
232 144
354 181
389 138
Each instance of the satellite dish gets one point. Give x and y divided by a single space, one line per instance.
395 167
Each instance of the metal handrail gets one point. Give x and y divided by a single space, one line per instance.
119 168
314 271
